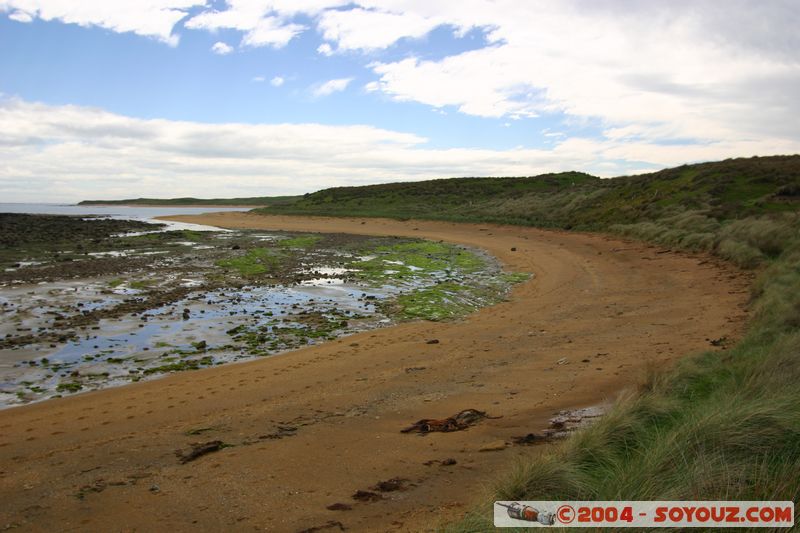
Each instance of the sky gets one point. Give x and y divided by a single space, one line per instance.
228 98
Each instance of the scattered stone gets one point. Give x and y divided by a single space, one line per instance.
331 524
199 450
282 431
433 341
339 507
390 485
443 462
530 438
513 248
366 496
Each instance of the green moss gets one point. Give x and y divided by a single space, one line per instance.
189 364
301 241
440 302
255 262
515 277
141 284
69 387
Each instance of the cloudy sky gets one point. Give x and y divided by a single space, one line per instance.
215 98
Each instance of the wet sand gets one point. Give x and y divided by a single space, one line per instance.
309 428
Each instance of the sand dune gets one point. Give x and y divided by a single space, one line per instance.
310 428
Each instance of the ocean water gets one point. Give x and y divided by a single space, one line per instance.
124 212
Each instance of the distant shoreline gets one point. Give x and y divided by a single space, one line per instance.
195 206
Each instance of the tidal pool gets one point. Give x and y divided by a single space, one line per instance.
181 300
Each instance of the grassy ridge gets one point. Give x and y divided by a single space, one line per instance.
718 426
258 201
722 190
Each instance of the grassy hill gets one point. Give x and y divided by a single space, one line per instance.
720 425
726 189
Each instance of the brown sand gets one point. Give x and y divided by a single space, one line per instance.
619 305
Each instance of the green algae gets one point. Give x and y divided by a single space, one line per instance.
255 262
301 241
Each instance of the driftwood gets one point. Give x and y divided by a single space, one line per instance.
458 422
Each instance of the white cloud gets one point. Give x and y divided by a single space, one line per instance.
361 29
724 73
148 18
221 48
277 81
259 79
253 18
669 70
21 16
331 86
67 153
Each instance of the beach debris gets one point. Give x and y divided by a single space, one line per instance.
718 342
443 462
561 425
198 450
281 432
390 485
433 341
562 361
339 507
415 369
531 438
366 496
331 524
458 422
99 485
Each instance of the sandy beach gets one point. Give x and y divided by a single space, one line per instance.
307 429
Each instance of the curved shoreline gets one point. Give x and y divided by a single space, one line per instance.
618 305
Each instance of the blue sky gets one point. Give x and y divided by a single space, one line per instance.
248 97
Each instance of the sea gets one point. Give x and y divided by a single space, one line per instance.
123 212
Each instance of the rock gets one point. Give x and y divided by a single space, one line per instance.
339 507
433 341
366 496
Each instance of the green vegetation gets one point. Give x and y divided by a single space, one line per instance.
722 425
255 262
731 189
301 241
440 302
69 387
254 201
406 259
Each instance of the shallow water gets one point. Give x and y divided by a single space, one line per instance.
74 335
